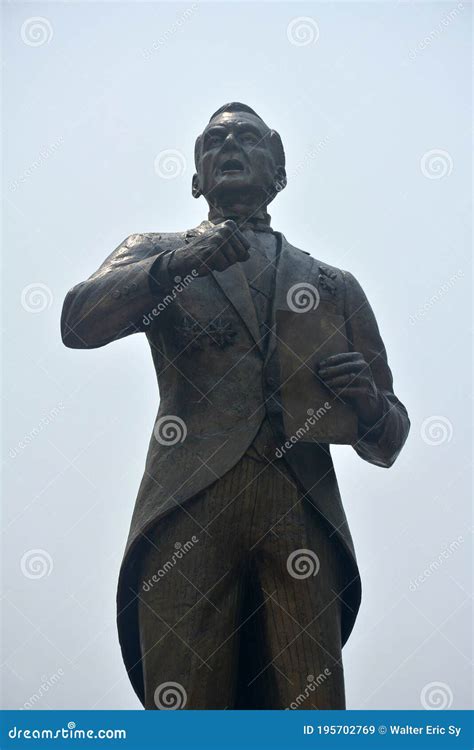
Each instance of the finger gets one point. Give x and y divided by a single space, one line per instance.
223 250
341 381
335 370
243 240
353 392
229 248
218 261
230 234
240 246
229 254
230 225
339 359
225 230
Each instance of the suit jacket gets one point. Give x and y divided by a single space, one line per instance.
217 385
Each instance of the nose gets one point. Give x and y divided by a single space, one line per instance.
230 142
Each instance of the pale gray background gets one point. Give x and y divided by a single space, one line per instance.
87 113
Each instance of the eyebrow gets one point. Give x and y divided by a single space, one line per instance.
241 125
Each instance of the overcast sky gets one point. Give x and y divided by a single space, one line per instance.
372 103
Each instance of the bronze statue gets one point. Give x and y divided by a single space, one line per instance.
239 585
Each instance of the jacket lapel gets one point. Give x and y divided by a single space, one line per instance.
233 283
294 267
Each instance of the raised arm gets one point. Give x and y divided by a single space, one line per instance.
112 302
135 277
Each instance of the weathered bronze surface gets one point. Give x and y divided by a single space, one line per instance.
239 584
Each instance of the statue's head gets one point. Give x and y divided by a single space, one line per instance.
238 158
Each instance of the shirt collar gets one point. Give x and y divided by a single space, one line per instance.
260 224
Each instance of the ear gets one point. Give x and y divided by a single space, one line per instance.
280 180
196 190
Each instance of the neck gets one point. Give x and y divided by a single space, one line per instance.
239 213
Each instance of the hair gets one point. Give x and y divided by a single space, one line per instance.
275 141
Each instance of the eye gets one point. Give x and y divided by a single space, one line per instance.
213 140
248 138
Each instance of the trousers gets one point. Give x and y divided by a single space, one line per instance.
238 604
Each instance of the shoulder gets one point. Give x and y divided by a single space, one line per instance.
330 279
146 241
335 285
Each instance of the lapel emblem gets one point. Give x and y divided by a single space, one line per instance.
222 333
193 336
327 278
190 333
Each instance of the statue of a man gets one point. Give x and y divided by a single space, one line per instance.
239 585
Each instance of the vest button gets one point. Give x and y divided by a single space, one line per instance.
272 382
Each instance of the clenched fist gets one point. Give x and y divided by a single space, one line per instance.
216 250
349 376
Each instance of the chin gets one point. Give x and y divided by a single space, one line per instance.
235 183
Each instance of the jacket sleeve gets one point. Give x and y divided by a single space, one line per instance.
115 300
381 443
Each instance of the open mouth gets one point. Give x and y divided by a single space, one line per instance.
232 165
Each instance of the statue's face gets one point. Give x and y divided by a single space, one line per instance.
236 158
